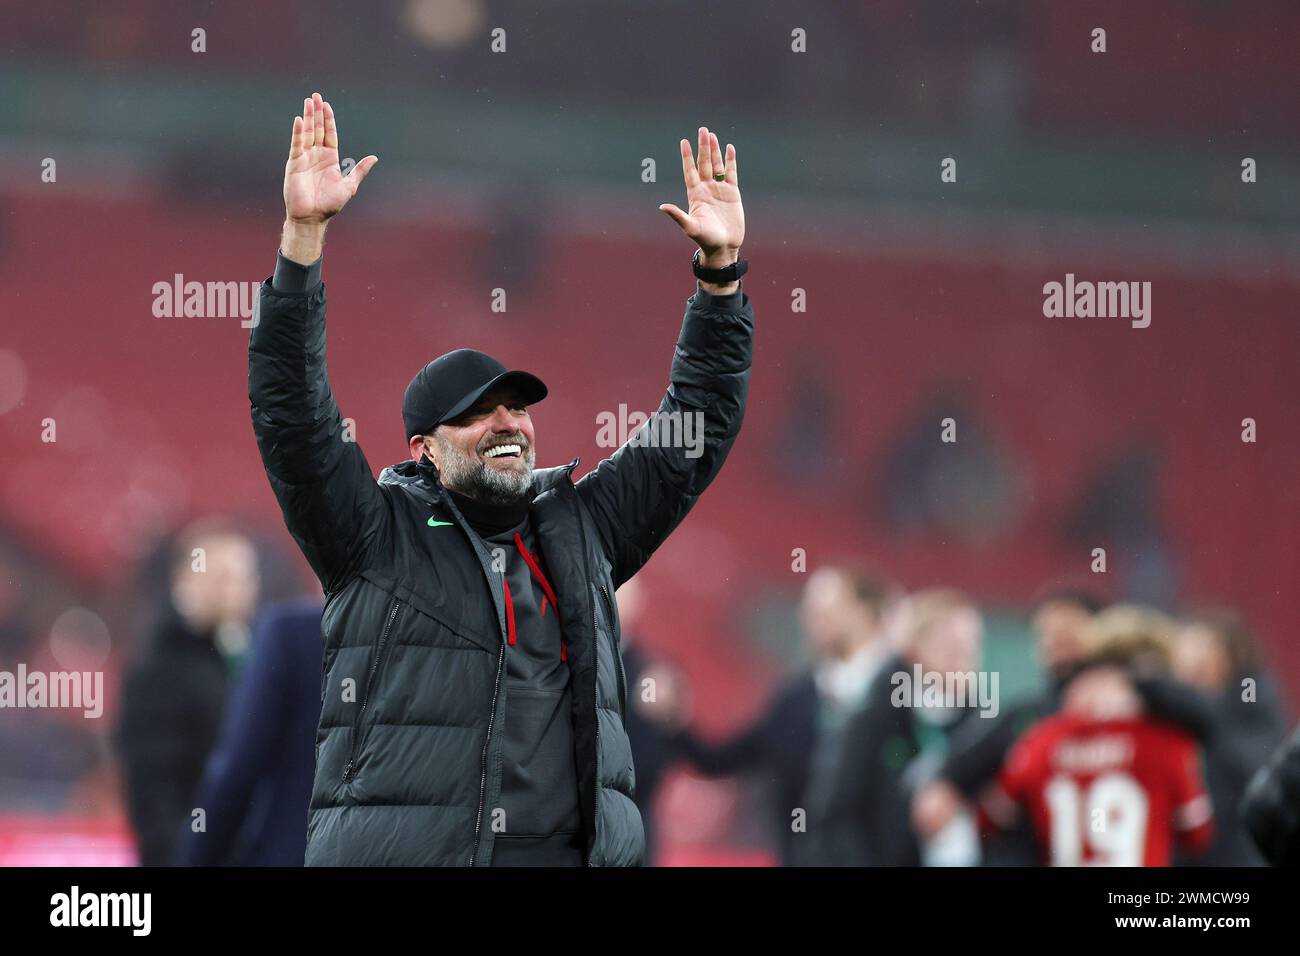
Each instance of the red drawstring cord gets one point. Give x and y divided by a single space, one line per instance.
546 589
536 569
510 614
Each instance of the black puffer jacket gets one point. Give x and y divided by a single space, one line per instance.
1270 808
408 753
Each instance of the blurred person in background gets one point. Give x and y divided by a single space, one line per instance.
175 691
257 784
847 613
1214 652
980 750
1102 758
891 747
651 684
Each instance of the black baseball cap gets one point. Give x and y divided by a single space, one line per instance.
453 383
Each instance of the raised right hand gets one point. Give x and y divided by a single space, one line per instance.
315 188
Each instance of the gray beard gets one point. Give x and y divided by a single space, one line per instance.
476 479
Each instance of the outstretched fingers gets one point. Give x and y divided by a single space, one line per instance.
705 160
316 127
308 129
689 172
715 155
331 130
732 176
318 120
295 139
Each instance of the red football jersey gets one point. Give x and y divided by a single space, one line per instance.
1105 793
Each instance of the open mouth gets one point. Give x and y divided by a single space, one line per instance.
504 451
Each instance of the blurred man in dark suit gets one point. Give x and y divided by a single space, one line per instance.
257 783
847 613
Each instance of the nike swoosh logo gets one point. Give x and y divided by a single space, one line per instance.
435 523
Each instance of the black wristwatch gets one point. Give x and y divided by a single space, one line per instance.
723 276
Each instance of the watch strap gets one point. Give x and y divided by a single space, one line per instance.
727 274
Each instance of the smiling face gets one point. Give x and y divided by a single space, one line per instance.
487 453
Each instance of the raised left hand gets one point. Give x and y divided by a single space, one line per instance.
715 219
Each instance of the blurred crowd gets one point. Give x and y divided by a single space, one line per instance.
1148 744
1140 751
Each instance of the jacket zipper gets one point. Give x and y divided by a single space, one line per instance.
501 657
496 689
350 770
595 678
482 790
492 713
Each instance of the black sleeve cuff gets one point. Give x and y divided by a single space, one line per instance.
291 276
719 303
